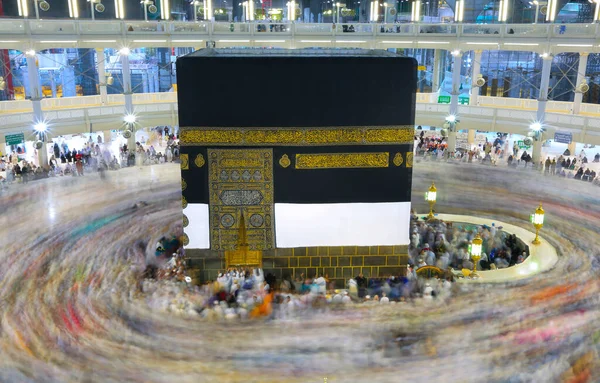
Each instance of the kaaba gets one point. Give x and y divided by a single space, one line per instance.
298 161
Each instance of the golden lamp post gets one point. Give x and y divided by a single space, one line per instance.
475 251
430 197
537 219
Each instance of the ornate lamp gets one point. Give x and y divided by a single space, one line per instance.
431 197
475 251
537 219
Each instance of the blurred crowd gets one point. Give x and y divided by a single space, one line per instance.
92 158
446 245
491 153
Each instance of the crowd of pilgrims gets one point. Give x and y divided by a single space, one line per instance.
437 148
492 152
445 245
249 293
92 158
581 173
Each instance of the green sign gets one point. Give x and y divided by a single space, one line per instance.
522 145
447 99
15 139
443 99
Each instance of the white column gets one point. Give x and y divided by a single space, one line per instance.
127 84
33 74
573 148
106 137
437 70
471 137
100 59
145 88
128 98
52 83
583 59
475 71
456 66
544 84
541 111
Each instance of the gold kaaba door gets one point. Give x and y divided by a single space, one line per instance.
241 203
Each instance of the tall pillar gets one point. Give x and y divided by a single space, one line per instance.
437 70
471 137
52 83
456 66
33 74
145 88
127 92
541 110
475 71
100 59
573 148
69 88
128 97
106 137
581 68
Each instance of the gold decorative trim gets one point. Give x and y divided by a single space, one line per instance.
353 135
199 161
186 221
183 185
409 159
284 161
398 160
183 202
342 160
185 163
185 239
241 196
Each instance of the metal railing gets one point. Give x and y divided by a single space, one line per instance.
135 28
48 104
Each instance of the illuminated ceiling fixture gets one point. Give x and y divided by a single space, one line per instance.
73 9
551 10
119 9
23 8
415 15
130 118
208 12
165 11
40 127
536 126
460 11
503 11
374 11
124 51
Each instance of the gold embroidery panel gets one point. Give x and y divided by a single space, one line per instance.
185 164
281 136
272 136
389 135
342 160
199 161
285 161
241 183
398 160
